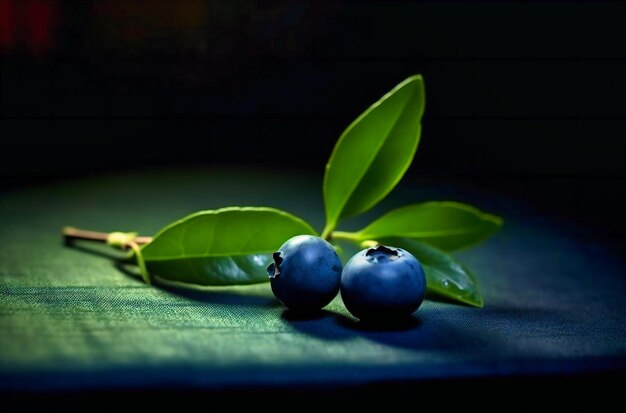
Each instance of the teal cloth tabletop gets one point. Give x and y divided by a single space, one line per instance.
70 318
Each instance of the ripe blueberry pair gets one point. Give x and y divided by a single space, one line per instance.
379 282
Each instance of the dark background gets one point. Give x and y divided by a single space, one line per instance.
514 89
524 99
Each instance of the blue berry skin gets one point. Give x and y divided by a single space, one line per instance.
383 284
306 273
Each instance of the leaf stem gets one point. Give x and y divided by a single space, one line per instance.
143 270
328 233
121 240
346 236
71 234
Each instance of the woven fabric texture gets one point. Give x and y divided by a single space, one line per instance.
71 318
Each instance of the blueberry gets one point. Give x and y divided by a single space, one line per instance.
306 273
383 283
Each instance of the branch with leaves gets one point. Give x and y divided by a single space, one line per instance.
233 246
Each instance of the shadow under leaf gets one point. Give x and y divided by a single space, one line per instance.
254 295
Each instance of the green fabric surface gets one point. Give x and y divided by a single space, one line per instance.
69 317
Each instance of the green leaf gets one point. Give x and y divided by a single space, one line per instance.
374 152
445 225
222 247
445 277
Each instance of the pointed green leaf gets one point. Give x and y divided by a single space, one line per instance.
374 152
445 277
221 247
445 225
